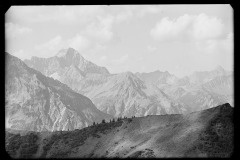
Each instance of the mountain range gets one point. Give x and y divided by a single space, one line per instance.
68 105
116 94
35 102
63 59
129 94
66 92
200 90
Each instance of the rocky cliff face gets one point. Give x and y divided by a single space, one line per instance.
158 77
36 102
214 92
139 94
198 91
222 85
65 60
205 76
126 95
116 94
208 133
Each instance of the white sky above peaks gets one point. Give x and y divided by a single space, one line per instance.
137 38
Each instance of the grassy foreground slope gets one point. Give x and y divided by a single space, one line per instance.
207 133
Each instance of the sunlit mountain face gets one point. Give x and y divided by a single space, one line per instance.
63 59
128 94
35 102
122 94
200 90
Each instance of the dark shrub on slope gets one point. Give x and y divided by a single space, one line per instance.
76 138
22 146
217 139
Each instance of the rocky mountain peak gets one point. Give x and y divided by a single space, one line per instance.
69 52
36 102
128 74
166 72
65 58
128 77
156 72
70 56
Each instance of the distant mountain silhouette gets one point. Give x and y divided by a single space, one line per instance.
200 90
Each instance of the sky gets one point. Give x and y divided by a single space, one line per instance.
179 39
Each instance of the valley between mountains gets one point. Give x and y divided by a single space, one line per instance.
67 106
139 94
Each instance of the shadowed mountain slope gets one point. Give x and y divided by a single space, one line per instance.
39 103
207 133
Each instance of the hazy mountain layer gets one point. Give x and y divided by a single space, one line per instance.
158 77
126 95
58 65
217 91
198 91
222 85
35 102
205 76
121 94
208 133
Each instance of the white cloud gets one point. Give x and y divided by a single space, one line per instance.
121 60
214 46
64 15
100 46
205 27
122 16
188 27
138 59
52 44
150 9
208 46
228 43
79 43
131 11
103 58
14 30
76 14
100 30
96 31
151 48
49 48
168 29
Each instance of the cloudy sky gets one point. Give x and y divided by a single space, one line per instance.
138 38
